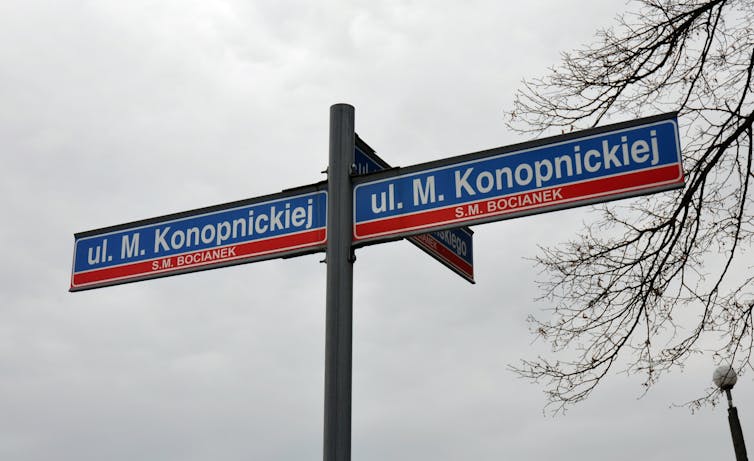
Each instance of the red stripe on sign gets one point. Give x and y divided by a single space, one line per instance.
441 251
200 259
526 201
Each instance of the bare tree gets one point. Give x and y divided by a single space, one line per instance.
654 280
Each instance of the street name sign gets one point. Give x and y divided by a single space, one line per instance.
452 247
607 163
290 223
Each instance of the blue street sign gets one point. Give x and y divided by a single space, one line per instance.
286 224
452 247
607 163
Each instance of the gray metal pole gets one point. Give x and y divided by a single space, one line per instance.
739 447
339 316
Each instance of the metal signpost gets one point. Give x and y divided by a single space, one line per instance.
426 203
339 309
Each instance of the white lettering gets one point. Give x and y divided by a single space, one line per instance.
423 195
485 177
298 217
542 174
655 149
275 220
462 183
588 165
223 232
519 178
608 154
178 239
129 247
640 151
159 240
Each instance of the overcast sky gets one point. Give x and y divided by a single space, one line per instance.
113 111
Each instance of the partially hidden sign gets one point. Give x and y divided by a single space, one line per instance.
287 224
451 247
596 165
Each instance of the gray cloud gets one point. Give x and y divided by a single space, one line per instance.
116 111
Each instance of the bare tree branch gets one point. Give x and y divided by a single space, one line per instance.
651 282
